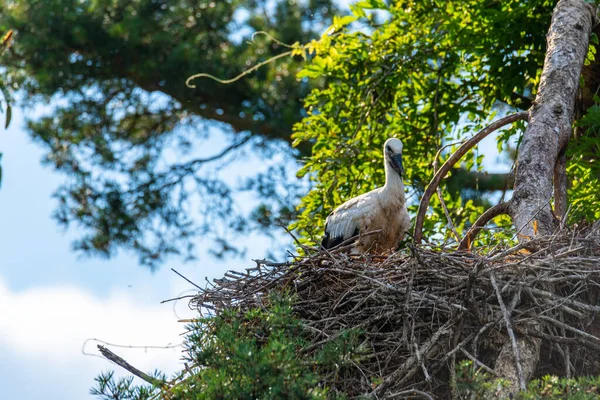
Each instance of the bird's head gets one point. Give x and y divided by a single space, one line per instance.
392 150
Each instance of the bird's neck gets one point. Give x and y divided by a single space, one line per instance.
393 183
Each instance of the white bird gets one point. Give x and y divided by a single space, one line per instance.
380 209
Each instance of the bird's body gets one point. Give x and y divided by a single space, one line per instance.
382 209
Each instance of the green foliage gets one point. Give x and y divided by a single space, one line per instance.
583 168
109 388
125 129
430 74
552 387
255 355
474 383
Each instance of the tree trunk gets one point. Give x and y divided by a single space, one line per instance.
551 117
540 154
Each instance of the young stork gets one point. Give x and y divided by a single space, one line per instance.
381 209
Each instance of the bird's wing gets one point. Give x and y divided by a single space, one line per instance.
349 219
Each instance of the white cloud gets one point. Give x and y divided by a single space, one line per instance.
42 331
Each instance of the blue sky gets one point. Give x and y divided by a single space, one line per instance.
52 300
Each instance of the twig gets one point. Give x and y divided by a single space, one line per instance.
172 269
563 300
408 393
403 370
454 158
478 363
491 213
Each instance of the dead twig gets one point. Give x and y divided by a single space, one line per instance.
125 365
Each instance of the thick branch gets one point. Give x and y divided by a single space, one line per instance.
493 212
454 158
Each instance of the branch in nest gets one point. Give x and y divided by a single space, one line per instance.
498 209
454 158
410 393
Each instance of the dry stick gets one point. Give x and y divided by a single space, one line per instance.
570 328
498 209
124 364
350 241
454 158
559 339
563 300
402 371
186 278
567 350
479 363
441 197
408 393
511 334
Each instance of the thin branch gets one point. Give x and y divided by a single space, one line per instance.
124 364
491 213
402 371
172 269
222 154
411 392
454 158
439 193
479 363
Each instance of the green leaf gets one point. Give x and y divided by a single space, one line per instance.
8 116
372 4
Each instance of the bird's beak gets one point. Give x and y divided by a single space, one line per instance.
397 162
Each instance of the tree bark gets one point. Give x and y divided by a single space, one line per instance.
544 141
551 117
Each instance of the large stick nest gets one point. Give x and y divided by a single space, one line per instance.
423 309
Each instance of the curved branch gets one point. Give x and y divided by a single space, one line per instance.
439 192
486 217
462 150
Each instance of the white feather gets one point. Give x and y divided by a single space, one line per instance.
383 208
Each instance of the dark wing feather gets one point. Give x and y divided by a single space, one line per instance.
329 242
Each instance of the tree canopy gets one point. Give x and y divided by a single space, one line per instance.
431 73
428 72
114 74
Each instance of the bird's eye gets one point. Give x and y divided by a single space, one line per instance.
388 149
